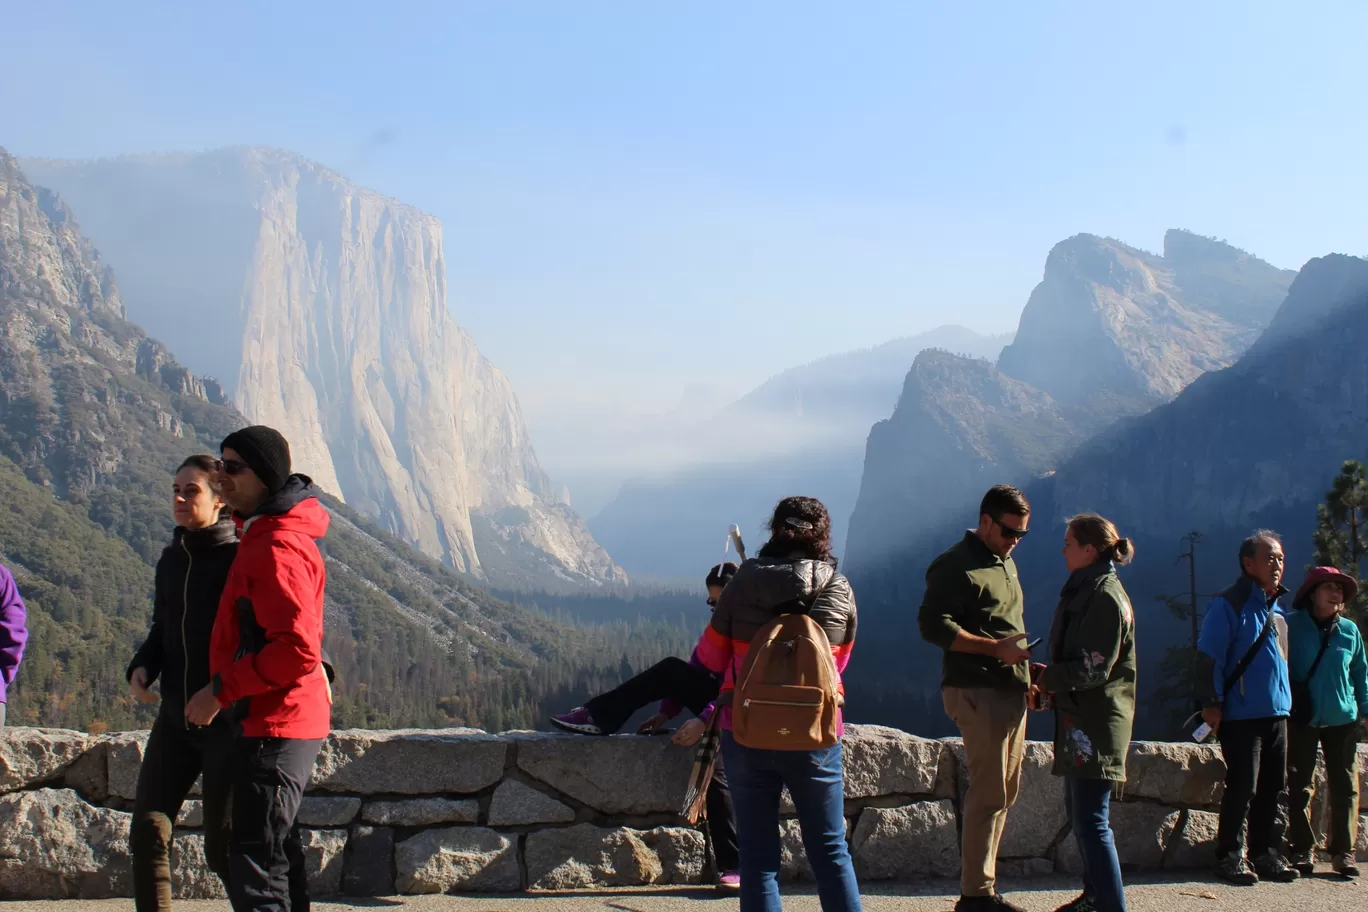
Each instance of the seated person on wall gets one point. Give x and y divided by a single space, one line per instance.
676 684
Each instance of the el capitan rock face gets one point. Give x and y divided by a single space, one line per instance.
322 308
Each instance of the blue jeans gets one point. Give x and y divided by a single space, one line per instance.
814 780
1088 803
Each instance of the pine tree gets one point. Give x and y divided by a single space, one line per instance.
1341 537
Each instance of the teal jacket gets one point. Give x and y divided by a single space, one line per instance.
1339 691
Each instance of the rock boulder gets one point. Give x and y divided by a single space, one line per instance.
34 756
586 855
624 774
457 859
885 761
55 845
409 762
914 841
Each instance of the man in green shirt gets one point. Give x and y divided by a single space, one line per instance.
973 610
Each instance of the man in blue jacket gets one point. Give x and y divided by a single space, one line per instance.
1247 702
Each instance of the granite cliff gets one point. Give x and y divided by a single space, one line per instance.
322 306
1110 332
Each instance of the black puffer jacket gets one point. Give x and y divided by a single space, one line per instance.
190 578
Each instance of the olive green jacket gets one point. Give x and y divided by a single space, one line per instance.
1092 675
970 588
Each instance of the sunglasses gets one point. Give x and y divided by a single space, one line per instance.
1009 533
233 467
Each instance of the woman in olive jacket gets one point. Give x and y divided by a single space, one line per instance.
1091 682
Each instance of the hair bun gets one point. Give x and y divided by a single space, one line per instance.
1124 550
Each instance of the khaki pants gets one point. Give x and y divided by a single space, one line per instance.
993 723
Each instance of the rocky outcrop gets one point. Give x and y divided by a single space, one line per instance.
538 826
332 324
1138 328
1110 332
1309 376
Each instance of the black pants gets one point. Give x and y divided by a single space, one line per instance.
268 779
1340 744
1255 752
174 757
695 688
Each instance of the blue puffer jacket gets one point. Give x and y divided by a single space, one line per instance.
1339 690
1234 620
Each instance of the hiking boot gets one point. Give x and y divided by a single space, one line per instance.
1083 903
1272 867
994 903
578 721
1233 869
1343 865
729 882
1305 863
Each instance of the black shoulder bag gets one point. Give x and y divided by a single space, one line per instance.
1303 706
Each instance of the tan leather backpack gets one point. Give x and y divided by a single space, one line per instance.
788 695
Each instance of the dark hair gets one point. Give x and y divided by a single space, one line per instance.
799 524
1003 499
721 575
1250 546
1091 529
209 465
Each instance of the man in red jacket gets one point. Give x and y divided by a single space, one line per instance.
266 660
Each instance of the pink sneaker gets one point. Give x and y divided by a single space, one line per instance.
578 721
730 881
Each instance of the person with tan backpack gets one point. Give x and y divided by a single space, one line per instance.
782 633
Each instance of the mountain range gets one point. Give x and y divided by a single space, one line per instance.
322 308
1109 333
1254 443
800 432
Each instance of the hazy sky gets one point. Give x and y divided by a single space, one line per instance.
640 198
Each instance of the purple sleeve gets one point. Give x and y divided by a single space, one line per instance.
671 706
13 634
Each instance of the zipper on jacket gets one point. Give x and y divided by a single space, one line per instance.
185 609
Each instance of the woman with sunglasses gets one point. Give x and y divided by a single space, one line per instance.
189 580
676 684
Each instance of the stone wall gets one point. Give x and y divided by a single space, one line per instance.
461 810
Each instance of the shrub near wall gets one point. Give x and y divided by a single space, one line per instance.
460 810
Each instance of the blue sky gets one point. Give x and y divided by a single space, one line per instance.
646 198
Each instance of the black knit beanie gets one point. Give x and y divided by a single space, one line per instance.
265 451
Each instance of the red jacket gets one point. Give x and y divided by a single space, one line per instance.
266 652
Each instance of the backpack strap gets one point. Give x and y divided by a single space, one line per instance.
1325 644
1244 587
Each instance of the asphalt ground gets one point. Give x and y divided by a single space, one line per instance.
1323 893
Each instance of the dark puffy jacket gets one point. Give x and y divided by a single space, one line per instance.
189 582
762 589
266 654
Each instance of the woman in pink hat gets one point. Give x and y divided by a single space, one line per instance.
1329 703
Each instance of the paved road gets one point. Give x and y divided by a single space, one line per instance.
1321 894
